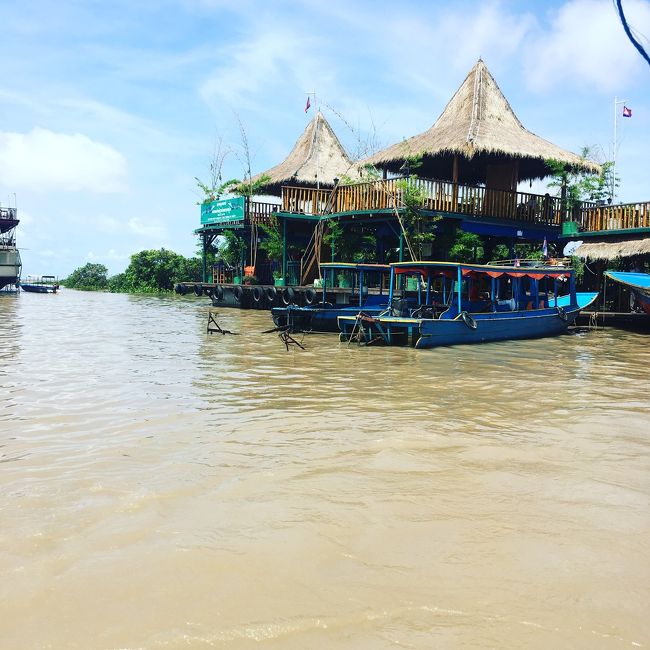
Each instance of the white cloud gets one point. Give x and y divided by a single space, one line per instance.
43 160
106 224
151 229
273 59
586 46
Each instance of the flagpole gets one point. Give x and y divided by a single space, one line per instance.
616 104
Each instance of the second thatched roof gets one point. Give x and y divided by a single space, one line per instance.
611 250
316 159
479 126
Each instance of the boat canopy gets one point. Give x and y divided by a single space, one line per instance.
451 269
632 279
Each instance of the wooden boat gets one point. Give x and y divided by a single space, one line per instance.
637 283
40 284
469 303
326 303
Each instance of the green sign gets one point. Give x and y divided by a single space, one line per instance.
223 211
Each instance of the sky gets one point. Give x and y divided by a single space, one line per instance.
109 110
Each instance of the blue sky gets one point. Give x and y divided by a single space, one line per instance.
110 109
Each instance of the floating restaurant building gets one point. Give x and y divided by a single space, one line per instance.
470 165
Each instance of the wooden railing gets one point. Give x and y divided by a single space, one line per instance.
444 196
305 200
260 213
614 217
440 196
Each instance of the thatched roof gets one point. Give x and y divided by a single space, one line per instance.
612 250
317 158
479 126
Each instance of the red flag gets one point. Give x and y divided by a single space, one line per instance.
308 105
627 112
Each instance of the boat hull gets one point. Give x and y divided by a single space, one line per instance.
493 328
317 319
467 328
643 300
38 288
10 266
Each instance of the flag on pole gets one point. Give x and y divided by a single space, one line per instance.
627 112
307 105
545 248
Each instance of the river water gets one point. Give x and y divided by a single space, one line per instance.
162 488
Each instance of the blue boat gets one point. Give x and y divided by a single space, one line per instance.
470 303
41 284
346 288
637 283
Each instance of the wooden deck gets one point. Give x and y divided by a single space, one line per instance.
455 198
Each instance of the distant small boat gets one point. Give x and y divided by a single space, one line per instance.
40 284
637 283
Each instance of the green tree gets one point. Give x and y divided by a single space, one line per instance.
158 270
420 228
580 186
273 243
351 244
231 248
90 277
467 247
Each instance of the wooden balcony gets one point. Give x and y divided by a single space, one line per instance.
477 202
595 218
437 196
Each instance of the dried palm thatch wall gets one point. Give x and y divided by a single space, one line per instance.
477 131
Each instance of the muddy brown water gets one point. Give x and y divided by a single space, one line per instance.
162 488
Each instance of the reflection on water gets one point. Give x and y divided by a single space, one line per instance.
165 488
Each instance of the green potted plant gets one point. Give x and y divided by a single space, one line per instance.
343 280
249 279
278 280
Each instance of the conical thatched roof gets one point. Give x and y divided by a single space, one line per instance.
317 158
479 126
612 250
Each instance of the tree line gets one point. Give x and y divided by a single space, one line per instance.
150 271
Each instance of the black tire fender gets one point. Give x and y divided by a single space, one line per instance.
310 296
238 292
469 320
271 293
181 289
257 294
288 295
218 292
198 289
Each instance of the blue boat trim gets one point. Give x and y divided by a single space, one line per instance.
638 283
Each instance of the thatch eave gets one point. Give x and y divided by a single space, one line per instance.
608 251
